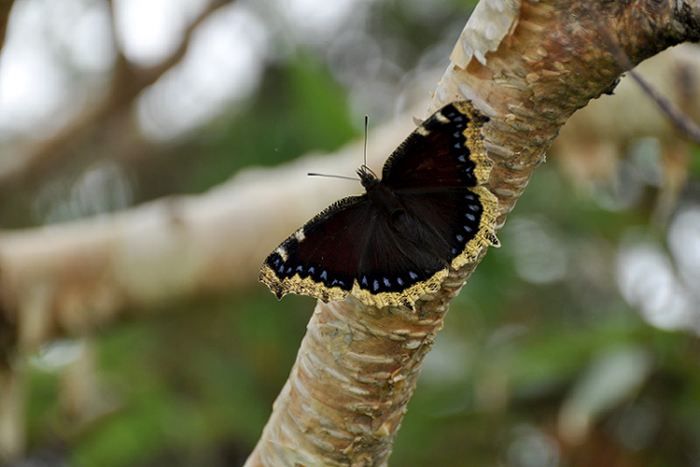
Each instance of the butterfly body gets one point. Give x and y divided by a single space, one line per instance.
383 199
398 240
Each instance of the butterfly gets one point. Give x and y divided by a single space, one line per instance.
398 240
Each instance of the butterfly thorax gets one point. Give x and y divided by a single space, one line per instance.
384 199
367 177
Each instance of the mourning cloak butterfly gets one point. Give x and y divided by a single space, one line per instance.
398 240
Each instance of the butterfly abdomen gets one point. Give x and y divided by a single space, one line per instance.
385 201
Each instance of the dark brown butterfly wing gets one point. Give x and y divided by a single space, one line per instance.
445 151
443 219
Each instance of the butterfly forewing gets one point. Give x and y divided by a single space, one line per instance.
446 136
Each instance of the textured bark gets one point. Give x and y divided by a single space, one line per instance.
347 393
555 57
558 58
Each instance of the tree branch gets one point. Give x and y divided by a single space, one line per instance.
551 62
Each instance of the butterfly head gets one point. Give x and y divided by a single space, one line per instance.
367 177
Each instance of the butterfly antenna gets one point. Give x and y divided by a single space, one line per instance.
342 177
312 174
366 124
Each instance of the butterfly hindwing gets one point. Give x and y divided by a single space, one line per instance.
350 247
461 220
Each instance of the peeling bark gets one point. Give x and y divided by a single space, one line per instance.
556 58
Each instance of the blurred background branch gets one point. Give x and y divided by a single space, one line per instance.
143 258
103 127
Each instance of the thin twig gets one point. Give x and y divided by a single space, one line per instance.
681 121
